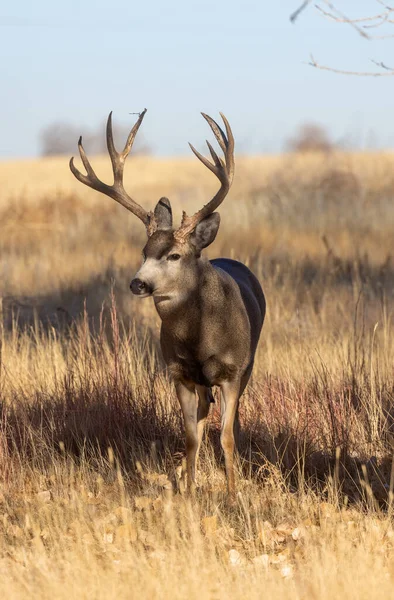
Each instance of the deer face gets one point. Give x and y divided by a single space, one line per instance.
170 266
170 256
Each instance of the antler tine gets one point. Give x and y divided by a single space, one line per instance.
230 148
118 158
80 176
204 160
132 134
116 190
217 131
223 169
215 157
85 160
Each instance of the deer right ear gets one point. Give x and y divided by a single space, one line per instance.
163 214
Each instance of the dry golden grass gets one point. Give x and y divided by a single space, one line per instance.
92 501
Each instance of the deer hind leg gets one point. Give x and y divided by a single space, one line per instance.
229 404
204 402
237 426
187 399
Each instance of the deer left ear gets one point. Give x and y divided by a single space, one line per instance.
163 214
205 232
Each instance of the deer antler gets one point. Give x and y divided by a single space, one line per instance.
224 171
116 190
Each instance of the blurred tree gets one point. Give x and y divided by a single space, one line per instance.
310 137
61 138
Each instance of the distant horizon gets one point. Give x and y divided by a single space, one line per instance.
186 157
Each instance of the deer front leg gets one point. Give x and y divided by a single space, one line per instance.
187 399
204 402
230 397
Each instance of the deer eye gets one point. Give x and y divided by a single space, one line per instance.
174 257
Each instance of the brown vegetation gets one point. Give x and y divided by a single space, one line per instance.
91 480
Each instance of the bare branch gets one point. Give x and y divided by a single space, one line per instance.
360 25
339 16
388 73
294 16
383 17
386 6
332 17
382 65
381 37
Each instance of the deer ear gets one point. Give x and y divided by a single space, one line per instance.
205 232
163 214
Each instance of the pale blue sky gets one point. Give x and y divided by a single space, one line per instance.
77 60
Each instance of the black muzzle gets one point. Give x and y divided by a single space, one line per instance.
139 288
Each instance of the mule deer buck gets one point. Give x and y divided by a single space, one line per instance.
212 312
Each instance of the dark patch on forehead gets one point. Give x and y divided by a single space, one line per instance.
159 244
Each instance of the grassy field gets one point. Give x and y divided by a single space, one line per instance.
92 501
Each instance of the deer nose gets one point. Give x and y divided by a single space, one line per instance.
139 287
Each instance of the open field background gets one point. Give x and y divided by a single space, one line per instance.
91 439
